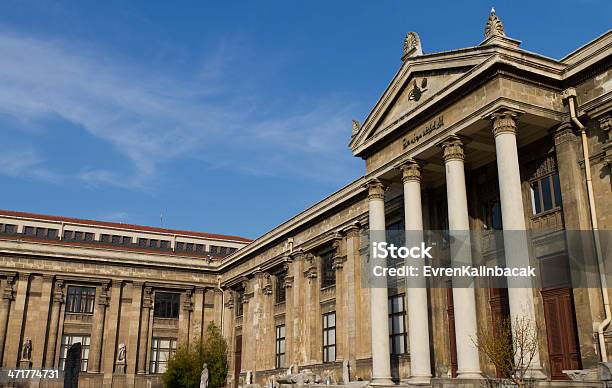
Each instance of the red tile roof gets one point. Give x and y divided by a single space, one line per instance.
35 216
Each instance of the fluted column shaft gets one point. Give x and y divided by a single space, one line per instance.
520 294
468 365
147 303
416 287
98 331
58 299
381 365
7 297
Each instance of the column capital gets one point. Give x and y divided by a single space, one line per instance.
452 148
411 170
504 121
563 132
187 303
103 297
147 297
376 189
58 293
7 292
352 230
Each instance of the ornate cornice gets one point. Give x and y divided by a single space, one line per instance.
452 149
411 170
504 122
376 190
352 230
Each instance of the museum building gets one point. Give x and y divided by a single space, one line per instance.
482 138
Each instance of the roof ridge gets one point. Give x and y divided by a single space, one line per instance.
144 228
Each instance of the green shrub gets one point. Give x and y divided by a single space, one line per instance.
185 367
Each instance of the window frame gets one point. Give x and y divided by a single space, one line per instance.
537 195
328 273
80 302
393 333
279 357
280 293
166 304
65 345
155 363
327 329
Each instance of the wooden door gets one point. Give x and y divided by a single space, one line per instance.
561 331
450 311
237 360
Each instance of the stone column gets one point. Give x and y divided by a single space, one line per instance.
520 293
289 339
198 327
147 303
416 287
338 262
312 318
379 299
58 299
468 365
14 331
298 351
98 330
7 297
352 293
185 316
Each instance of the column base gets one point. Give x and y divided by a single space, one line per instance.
419 380
381 381
473 375
535 374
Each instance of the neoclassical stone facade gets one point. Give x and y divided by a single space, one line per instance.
484 138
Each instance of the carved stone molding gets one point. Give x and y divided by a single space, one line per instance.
311 273
267 284
376 190
412 45
605 123
288 282
230 301
103 297
452 148
352 231
147 298
494 26
504 122
58 293
564 132
8 293
297 255
338 262
188 303
411 171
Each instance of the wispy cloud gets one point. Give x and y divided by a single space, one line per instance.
154 118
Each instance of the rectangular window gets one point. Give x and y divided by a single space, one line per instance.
41 232
89 236
80 300
329 337
69 340
105 238
28 231
280 346
328 277
545 194
164 244
9 228
166 305
68 235
78 236
238 303
52 233
280 287
180 246
142 242
491 215
397 325
125 240
153 243
161 351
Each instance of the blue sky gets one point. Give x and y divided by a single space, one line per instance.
227 116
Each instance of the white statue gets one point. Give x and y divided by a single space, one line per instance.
249 378
204 377
121 354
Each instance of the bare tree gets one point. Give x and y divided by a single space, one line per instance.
511 347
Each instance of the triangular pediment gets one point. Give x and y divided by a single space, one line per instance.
420 82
